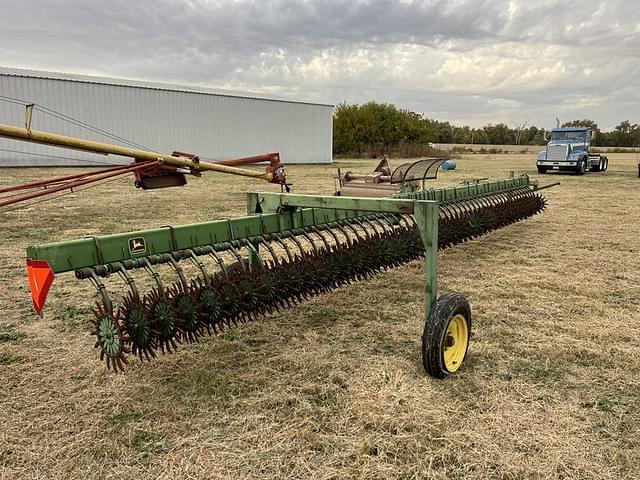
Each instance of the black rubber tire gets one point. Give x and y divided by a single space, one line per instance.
447 306
542 170
580 169
606 164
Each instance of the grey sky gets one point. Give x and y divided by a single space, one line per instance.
469 62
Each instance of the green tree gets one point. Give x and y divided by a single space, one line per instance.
378 128
500 134
626 134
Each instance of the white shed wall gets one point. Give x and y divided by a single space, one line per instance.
213 126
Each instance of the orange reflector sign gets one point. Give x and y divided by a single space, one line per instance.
40 280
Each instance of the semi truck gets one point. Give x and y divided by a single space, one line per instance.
569 150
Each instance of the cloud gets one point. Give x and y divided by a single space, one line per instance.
466 61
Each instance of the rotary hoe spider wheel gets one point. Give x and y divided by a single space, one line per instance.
163 320
109 339
135 322
187 312
209 311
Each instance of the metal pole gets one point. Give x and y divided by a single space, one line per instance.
71 184
60 180
426 214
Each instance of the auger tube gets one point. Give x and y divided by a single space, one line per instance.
46 138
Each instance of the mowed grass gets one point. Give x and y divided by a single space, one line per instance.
334 388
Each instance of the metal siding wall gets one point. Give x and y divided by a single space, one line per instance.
213 126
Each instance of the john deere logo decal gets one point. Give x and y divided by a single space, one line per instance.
137 245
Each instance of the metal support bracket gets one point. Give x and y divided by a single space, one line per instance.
425 212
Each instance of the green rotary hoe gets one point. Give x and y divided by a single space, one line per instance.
203 278
287 249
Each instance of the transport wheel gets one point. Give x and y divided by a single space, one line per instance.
446 335
542 170
606 164
580 169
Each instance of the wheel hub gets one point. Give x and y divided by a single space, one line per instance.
455 343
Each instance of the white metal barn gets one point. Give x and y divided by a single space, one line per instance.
160 117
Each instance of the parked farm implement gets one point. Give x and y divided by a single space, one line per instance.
204 278
151 169
288 249
385 180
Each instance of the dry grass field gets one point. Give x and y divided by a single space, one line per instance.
334 388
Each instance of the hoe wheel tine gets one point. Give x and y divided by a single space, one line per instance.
333 234
154 273
231 248
352 227
346 235
256 255
295 240
319 234
178 269
314 247
384 226
268 246
223 268
201 266
282 243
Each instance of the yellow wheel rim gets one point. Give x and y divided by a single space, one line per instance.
456 341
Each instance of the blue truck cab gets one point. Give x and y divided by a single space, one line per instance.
569 150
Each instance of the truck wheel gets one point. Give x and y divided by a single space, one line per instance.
446 335
542 170
580 169
606 164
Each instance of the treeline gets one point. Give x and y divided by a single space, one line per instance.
374 129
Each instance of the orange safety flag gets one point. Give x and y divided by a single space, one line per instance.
40 280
